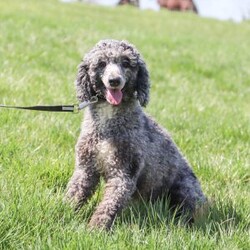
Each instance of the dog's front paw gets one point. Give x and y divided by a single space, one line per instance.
73 198
100 222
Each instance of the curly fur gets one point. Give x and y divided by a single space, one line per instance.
121 143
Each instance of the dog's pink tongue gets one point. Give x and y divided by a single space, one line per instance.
114 96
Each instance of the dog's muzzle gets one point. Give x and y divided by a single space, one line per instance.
114 82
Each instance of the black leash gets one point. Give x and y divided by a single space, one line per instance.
75 108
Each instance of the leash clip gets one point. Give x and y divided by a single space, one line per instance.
82 105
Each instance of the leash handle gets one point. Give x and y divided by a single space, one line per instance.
75 108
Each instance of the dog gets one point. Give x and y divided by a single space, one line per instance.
121 143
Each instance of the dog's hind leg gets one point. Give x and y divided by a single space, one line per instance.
186 195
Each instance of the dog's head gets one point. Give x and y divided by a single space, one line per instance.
114 70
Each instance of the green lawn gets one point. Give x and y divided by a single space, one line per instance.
200 72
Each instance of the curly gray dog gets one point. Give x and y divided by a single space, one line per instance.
119 142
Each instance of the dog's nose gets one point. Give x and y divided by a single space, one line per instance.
115 81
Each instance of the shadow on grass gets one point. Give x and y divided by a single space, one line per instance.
217 217
222 216
148 215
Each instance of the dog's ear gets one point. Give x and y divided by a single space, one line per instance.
84 91
142 84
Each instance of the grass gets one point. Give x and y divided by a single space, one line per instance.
200 74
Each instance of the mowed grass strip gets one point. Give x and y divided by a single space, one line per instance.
200 74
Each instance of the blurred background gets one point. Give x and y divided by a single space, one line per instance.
236 10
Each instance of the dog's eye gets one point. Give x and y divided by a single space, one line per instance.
125 64
102 64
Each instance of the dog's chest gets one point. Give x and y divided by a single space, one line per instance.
106 152
105 112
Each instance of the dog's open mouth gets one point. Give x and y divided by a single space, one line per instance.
114 96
